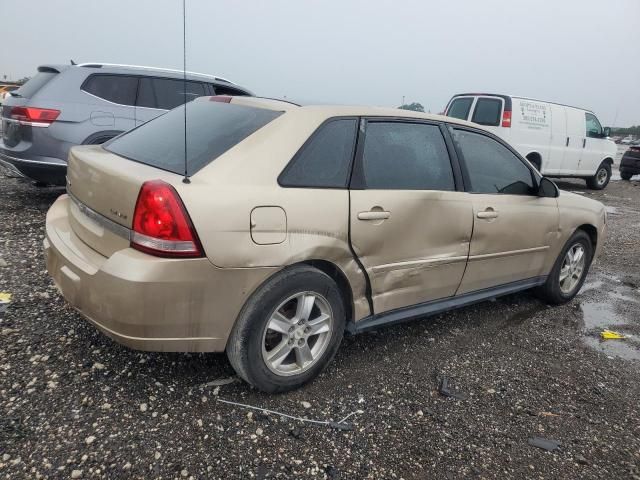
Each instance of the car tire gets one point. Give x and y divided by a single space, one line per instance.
625 175
601 178
557 291
273 345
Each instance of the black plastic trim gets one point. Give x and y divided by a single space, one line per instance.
438 306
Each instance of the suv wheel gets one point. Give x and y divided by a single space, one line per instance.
288 331
625 175
601 178
569 271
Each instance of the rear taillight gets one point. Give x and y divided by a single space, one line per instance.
506 118
35 117
221 98
635 148
161 224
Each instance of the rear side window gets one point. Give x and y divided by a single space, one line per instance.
406 156
460 107
114 88
167 93
224 90
487 112
212 129
325 160
30 88
492 167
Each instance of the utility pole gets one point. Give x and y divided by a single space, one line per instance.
402 100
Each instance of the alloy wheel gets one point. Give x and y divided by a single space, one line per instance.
572 268
297 334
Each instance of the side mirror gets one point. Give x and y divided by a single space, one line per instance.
548 189
607 132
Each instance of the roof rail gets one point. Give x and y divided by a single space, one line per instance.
156 69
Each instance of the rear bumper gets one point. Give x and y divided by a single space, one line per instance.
144 302
630 164
47 170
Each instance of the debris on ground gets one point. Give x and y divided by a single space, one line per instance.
5 300
611 335
339 425
544 443
446 391
219 382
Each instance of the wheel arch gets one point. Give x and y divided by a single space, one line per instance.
535 158
338 276
98 138
592 231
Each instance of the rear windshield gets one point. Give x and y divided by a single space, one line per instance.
488 112
212 129
30 88
460 107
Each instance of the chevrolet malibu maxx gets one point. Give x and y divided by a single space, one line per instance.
280 227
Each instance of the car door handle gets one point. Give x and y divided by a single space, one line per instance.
584 142
374 215
567 144
487 214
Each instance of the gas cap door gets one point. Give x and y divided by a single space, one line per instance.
268 225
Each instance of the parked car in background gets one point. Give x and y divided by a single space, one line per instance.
301 222
561 141
67 105
4 91
630 162
627 140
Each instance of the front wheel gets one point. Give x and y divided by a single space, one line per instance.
569 271
601 178
625 175
288 331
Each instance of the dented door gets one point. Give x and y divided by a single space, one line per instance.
410 228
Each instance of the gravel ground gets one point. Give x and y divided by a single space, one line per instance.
73 404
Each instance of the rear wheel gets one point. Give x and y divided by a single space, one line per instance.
625 175
601 178
288 331
569 271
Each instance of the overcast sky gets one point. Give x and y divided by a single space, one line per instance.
578 52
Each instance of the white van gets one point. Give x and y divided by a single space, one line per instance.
561 141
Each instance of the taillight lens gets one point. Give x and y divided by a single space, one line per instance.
35 117
221 98
635 148
506 119
161 224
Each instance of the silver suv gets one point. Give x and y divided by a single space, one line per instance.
89 103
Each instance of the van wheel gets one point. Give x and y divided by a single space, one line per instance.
569 271
625 175
601 178
288 331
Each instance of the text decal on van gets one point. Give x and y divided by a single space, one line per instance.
534 115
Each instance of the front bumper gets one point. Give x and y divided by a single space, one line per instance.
145 302
630 164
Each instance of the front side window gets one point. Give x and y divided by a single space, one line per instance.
325 160
406 156
492 167
167 93
594 129
114 88
487 112
460 107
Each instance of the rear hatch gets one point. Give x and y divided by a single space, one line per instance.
16 127
104 181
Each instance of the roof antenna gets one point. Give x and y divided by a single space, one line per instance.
184 85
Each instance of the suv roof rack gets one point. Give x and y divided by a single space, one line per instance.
156 69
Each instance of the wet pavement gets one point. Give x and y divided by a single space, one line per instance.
75 404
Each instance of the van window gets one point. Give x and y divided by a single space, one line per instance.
113 88
460 107
406 156
594 129
487 112
324 161
212 129
167 93
492 167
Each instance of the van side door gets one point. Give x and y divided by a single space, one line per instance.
558 141
576 135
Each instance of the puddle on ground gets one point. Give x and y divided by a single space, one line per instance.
602 315
612 210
